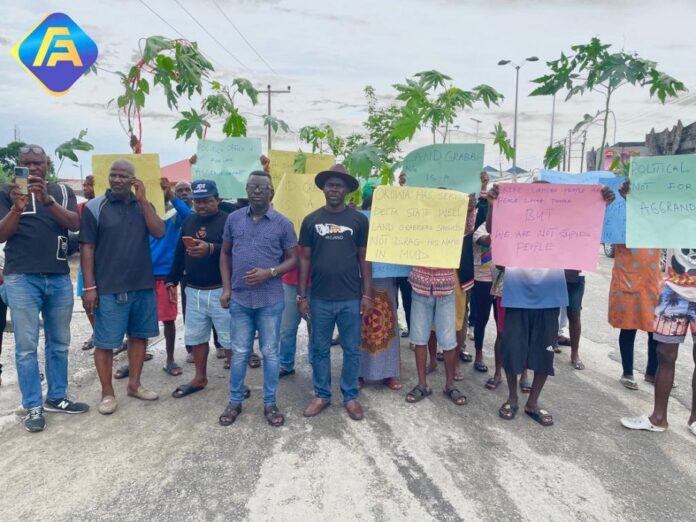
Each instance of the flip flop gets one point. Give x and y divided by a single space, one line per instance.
186 389
563 340
430 370
578 365
148 356
173 369
641 423
541 416
629 382
440 356
508 411
493 383
458 376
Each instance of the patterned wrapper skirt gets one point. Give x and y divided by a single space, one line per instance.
380 357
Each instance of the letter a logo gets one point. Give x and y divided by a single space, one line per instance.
57 52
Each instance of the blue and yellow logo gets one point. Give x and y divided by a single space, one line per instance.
56 52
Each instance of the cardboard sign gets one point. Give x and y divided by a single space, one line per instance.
228 163
384 270
282 162
297 196
147 169
454 166
614 228
661 206
591 177
539 225
417 226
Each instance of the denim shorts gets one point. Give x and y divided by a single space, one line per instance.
133 313
427 311
203 311
576 291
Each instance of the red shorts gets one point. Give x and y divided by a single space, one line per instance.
166 310
500 314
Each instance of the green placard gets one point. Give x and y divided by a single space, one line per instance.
661 206
229 163
454 166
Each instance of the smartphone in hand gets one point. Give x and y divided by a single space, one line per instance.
189 242
21 175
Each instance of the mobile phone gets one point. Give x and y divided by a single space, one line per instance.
189 242
21 175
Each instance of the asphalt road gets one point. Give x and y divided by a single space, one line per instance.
169 460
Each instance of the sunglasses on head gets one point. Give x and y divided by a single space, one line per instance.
35 149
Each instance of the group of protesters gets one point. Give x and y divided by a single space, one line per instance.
243 274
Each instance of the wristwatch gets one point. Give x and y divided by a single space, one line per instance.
274 272
51 201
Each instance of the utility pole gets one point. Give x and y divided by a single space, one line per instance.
565 152
16 133
478 122
570 144
582 151
268 93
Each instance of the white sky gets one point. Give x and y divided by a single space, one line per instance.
328 50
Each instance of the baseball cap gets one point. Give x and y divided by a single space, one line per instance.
203 188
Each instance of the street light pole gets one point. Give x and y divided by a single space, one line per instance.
517 85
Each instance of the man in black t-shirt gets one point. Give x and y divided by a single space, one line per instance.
334 239
119 280
35 224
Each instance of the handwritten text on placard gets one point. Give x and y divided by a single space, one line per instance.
417 226
541 225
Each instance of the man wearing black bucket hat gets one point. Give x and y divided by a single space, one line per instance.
333 240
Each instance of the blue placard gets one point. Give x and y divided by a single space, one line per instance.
614 229
385 270
582 178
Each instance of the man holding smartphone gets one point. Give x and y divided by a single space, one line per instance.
35 223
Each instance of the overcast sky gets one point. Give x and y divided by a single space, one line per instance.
327 51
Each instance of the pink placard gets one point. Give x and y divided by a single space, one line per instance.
544 225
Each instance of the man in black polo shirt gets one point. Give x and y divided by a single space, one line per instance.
37 280
119 282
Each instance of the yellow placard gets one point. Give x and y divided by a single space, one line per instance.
417 226
297 196
147 169
282 162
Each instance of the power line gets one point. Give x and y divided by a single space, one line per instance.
158 16
210 34
244 38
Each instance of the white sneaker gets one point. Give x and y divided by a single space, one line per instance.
640 423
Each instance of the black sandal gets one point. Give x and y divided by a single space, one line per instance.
254 361
455 395
508 411
418 393
273 415
230 414
479 366
466 357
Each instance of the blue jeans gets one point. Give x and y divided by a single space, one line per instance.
245 323
52 296
288 327
345 315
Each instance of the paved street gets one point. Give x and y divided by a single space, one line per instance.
170 460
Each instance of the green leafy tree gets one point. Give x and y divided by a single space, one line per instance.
505 148
430 100
594 68
69 148
380 125
9 157
554 156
